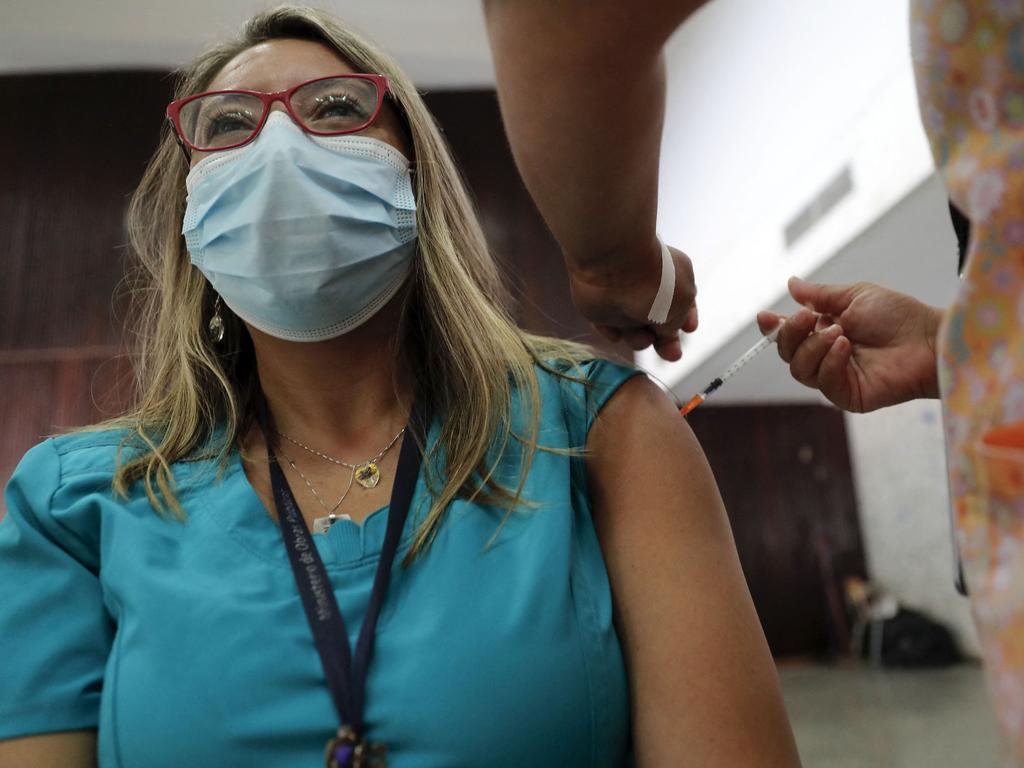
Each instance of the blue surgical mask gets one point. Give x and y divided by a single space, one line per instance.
304 237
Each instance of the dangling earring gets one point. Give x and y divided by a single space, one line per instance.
216 326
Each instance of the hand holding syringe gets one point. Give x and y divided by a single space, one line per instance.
749 355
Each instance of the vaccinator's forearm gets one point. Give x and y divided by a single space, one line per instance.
582 90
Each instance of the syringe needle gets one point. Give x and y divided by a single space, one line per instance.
745 358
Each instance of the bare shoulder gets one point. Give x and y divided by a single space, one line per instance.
650 485
639 430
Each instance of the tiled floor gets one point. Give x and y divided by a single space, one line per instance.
853 717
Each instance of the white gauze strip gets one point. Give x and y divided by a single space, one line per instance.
663 301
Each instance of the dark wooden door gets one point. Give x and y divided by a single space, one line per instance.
785 476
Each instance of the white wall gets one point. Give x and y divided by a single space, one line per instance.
767 101
900 477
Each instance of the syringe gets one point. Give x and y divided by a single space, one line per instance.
749 355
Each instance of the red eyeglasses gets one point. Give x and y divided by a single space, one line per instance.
326 106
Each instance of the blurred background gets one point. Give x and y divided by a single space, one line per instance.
792 146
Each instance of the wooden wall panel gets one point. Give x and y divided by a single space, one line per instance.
27 404
68 167
785 476
50 395
471 122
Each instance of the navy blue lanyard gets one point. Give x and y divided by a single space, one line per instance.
345 673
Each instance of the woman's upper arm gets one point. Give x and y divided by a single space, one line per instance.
702 681
68 749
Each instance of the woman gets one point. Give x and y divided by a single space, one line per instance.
331 319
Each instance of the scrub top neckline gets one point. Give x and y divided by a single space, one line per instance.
347 544
236 459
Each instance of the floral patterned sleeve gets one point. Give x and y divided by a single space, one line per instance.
969 64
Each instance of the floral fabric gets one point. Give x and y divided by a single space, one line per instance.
969 64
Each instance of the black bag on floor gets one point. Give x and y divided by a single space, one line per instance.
911 639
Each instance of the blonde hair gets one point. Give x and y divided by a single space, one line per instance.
194 398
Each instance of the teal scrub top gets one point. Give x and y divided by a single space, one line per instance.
187 645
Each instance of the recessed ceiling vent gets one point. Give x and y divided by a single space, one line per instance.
828 198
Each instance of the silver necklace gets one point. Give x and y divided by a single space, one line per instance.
366 473
312 489
322 524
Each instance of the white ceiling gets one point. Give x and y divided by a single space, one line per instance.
440 43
